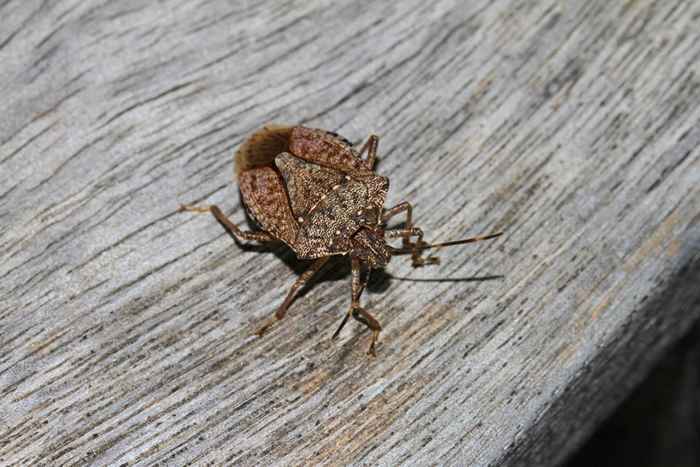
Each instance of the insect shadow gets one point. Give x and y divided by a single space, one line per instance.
448 279
335 270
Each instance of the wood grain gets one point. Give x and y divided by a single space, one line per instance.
126 328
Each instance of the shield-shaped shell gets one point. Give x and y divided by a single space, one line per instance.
308 188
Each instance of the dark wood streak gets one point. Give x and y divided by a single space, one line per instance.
145 101
126 328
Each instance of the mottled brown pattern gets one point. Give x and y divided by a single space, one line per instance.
324 148
265 198
322 200
306 183
331 223
313 208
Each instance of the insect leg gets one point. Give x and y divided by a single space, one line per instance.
398 209
361 315
404 233
357 312
416 259
239 234
357 287
370 147
293 292
300 282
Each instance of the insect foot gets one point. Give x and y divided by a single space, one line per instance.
320 196
265 327
417 260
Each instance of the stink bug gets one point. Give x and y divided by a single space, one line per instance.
311 190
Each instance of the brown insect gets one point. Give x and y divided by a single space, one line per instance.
311 190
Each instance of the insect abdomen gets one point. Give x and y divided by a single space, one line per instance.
262 148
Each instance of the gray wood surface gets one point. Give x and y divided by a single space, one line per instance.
127 328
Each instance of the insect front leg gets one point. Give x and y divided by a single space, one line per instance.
370 147
356 311
396 210
358 286
417 259
408 232
293 292
240 235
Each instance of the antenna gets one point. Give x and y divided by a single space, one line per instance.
426 246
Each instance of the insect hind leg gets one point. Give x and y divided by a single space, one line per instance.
293 292
240 235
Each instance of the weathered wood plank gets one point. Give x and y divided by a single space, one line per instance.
126 328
